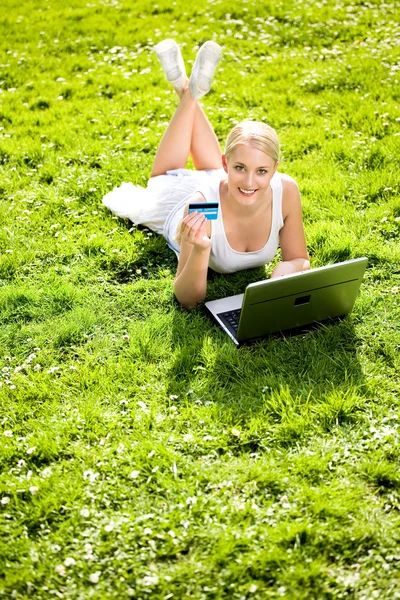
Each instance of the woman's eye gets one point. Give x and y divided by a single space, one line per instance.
262 171
239 168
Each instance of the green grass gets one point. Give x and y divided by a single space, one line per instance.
142 455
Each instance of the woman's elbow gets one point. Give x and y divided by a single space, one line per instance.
189 302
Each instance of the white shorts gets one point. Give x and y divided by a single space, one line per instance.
160 206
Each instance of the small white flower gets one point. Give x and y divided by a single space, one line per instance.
95 577
30 358
253 588
69 561
13 387
235 432
37 367
90 475
142 405
5 370
121 448
150 580
31 450
109 527
47 472
125 336
60 569
284 502
8 433
34 490
21 463
188 437
173 397
85 512
147 531
5 500
134 474
53 370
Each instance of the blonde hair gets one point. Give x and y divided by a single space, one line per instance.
256 134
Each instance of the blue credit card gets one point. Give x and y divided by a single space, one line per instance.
208 209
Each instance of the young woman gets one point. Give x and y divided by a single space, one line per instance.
259 208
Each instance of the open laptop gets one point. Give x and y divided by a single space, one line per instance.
290 302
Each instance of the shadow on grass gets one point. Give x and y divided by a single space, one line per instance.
296 381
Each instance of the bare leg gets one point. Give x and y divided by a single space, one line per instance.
174 149
204 149
189 132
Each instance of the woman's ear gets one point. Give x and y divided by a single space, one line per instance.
224 163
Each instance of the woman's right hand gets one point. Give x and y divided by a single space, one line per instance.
194 230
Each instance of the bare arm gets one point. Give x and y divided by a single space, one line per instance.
190 284
291 237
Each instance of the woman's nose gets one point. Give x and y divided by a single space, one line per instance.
249 179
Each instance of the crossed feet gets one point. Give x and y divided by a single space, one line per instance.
207 59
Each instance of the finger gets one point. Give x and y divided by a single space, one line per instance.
193 220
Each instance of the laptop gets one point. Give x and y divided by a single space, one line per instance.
290 303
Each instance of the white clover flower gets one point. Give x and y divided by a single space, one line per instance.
69 561
34 490
134 474
95 577
235 432
31 450
37 367
85 512
253 588
150 580
5 500
60 569
109 527
90 475
8 433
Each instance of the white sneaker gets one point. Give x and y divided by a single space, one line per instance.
205 64
169 55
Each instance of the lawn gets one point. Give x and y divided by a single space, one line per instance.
142 454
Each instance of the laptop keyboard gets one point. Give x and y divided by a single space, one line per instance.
231 319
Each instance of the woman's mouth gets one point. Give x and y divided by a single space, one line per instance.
247 192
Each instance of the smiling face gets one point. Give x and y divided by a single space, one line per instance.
249 173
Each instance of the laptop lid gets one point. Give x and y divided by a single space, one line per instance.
296 300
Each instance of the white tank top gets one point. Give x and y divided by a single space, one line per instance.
223 258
